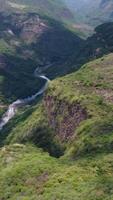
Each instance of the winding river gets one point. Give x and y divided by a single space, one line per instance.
12 109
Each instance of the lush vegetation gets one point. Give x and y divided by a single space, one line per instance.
28 173
59 147
84 169
91 87
31 125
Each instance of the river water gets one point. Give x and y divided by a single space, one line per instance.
12 109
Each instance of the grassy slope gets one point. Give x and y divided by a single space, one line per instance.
28 174
92 87
85 171
32 125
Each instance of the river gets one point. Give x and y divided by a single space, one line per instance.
12 109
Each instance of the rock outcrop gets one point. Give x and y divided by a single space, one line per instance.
63 117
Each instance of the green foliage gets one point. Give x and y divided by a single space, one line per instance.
96 98
20 82
28 173
32 126
92 87
85 169
5 48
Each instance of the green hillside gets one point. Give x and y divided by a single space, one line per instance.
85 98
60 145
74 122
28 173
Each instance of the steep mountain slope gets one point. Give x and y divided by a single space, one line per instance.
69 54
71 122
99 44
74 111
61 146
74 108
87 98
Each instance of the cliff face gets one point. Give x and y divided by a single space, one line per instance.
64 117
27 27
19 30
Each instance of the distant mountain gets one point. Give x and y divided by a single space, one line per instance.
90 12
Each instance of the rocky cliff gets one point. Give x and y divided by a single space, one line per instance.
64 117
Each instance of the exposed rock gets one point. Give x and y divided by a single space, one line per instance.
63 117
28 26
32 29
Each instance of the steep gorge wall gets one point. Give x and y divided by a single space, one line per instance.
63 116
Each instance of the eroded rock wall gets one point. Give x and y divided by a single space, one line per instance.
63 116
